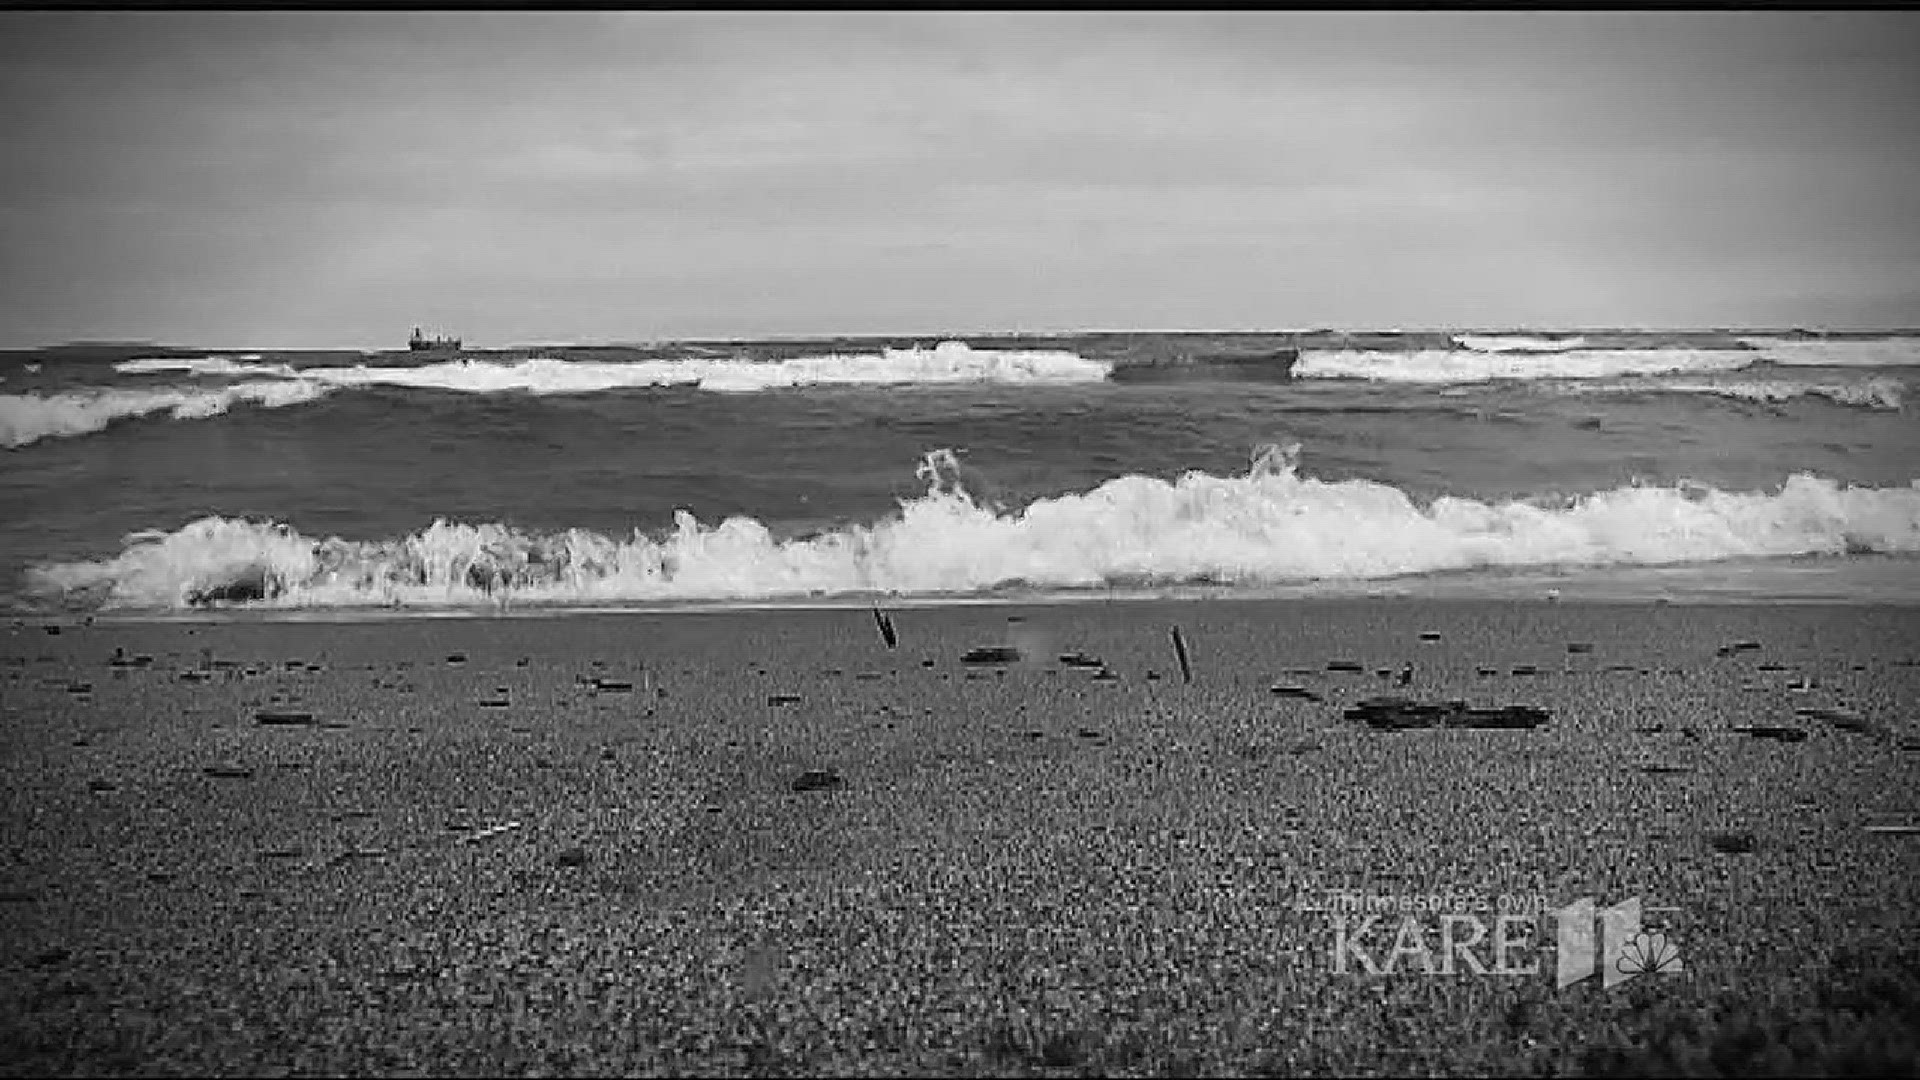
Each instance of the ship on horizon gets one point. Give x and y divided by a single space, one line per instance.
419 342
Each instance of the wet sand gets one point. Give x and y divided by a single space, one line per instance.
575 845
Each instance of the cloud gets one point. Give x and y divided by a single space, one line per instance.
339 169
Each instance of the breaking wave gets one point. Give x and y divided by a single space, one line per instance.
205 365
1497 343
1876 352
1881 393
1466 365
28 418
1272 525
946 363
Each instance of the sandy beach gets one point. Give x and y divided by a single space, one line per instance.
765 842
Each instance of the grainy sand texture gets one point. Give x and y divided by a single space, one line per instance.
764 842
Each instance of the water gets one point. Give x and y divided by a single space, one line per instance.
1602 465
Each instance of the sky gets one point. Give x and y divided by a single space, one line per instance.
331 179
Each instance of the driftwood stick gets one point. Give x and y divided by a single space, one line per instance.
1180 650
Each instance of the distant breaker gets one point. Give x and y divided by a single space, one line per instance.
1501 343
1266 365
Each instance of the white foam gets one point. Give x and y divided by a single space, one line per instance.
948 362
1883 393
539 375
1497 343
28 418
1270 526
1866 352
1463 365
215 366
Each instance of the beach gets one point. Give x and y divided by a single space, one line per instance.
765 842
1081 545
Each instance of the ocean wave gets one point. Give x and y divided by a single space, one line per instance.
214 366
1881 393
1463 365
1272 525
1502 343
946 363
1863 352
28 418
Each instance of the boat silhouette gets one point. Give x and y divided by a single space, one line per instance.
419 342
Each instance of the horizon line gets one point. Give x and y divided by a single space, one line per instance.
959 335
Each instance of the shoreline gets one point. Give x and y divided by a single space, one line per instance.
370 616
1889 585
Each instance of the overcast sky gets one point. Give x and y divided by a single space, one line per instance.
287 178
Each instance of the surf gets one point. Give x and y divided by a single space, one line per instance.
948 363
28 418
1273 525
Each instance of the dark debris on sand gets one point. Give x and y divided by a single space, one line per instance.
991 654
817 780
1733 843
1403 714
1776 732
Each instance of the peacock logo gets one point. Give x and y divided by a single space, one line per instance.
1649 954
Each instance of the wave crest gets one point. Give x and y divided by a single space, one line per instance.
1499 343
1465 365
1269 526
1881 393
946 363
27 418
1864 352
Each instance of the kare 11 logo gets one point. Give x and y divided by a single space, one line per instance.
1477 937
